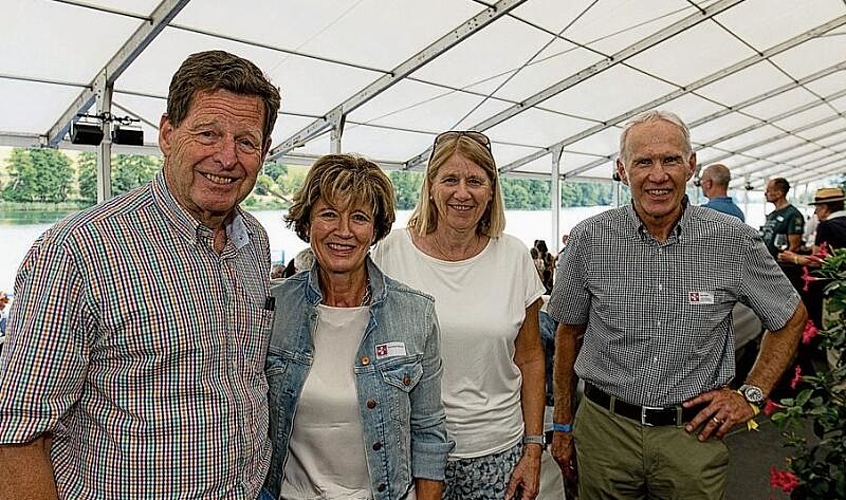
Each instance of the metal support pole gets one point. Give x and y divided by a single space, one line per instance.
103 91
555 195
338 122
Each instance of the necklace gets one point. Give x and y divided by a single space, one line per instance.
365 300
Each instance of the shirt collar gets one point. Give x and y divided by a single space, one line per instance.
640 228
189 227
377 283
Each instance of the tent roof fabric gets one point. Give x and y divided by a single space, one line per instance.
761 84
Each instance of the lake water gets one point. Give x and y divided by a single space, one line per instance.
18 230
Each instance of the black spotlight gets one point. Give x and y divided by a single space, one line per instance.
86 133
128 136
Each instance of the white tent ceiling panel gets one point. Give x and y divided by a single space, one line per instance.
285 124
719 127
828 84
36 115
604 171
424 107
745 84
691 108
834 124
764 24
506 153
610 93
537 128
707 49
612 25
803 151
601 143
836 141
804 118
572 160
542 165
135 7
775 146
813 55
556 62
740 142
497 51
49 40
384 144
777 105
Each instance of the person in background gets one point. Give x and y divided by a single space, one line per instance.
277 271
831 229
714 183
354 364
4 316
136 343
785 225
656 353
487 294
304 260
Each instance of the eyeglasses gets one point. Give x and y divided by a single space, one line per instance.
477 137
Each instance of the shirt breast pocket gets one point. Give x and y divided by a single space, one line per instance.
400 377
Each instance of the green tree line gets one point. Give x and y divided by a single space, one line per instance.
50 176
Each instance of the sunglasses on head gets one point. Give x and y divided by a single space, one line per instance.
478 137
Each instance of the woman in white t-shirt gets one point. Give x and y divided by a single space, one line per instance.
487 293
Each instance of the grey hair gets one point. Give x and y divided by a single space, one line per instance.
304 260
653 116
718 173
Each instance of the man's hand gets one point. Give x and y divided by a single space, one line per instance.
725 409
564 454
526 475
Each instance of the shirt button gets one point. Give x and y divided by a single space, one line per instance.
382 487
371 403
655 359
365 360
406 381
660 287
377 446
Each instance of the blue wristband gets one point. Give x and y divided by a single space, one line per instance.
562 427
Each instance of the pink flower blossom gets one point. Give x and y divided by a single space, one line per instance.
809 333
770 407
797 377
785 480
807 278
824 251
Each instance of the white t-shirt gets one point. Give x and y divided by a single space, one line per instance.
481 303
326 456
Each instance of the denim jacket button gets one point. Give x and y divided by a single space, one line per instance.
365 360
377 446
371 403
382 487
406 381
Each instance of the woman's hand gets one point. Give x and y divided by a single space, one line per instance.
526 475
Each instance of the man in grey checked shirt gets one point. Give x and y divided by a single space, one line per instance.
136 346
644 295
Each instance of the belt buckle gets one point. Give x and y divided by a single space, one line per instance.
643 410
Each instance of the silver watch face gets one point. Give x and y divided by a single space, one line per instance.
753 394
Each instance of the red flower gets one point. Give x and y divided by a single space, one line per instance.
809 333
824 251
770 407
783 479
807 278
797 377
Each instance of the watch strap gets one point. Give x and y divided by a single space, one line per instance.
533 440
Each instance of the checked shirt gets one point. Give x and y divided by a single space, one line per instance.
142 351
658 315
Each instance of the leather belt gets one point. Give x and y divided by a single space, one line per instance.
649 416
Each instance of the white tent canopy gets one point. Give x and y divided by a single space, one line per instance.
761 83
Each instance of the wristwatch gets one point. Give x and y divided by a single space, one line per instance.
753 394
534 440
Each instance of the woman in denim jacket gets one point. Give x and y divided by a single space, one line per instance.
354 364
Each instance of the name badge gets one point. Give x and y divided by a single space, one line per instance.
696 298
390 349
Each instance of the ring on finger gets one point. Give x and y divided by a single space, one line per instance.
717 420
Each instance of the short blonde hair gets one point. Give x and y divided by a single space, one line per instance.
424 218
337 177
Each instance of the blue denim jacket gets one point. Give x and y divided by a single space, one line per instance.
399 396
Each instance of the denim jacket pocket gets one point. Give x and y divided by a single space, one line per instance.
402 376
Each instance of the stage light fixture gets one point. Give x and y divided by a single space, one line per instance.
128 136
89 134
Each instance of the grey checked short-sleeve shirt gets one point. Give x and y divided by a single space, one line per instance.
658 315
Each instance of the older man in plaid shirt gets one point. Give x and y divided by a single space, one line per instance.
644 296
136 345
